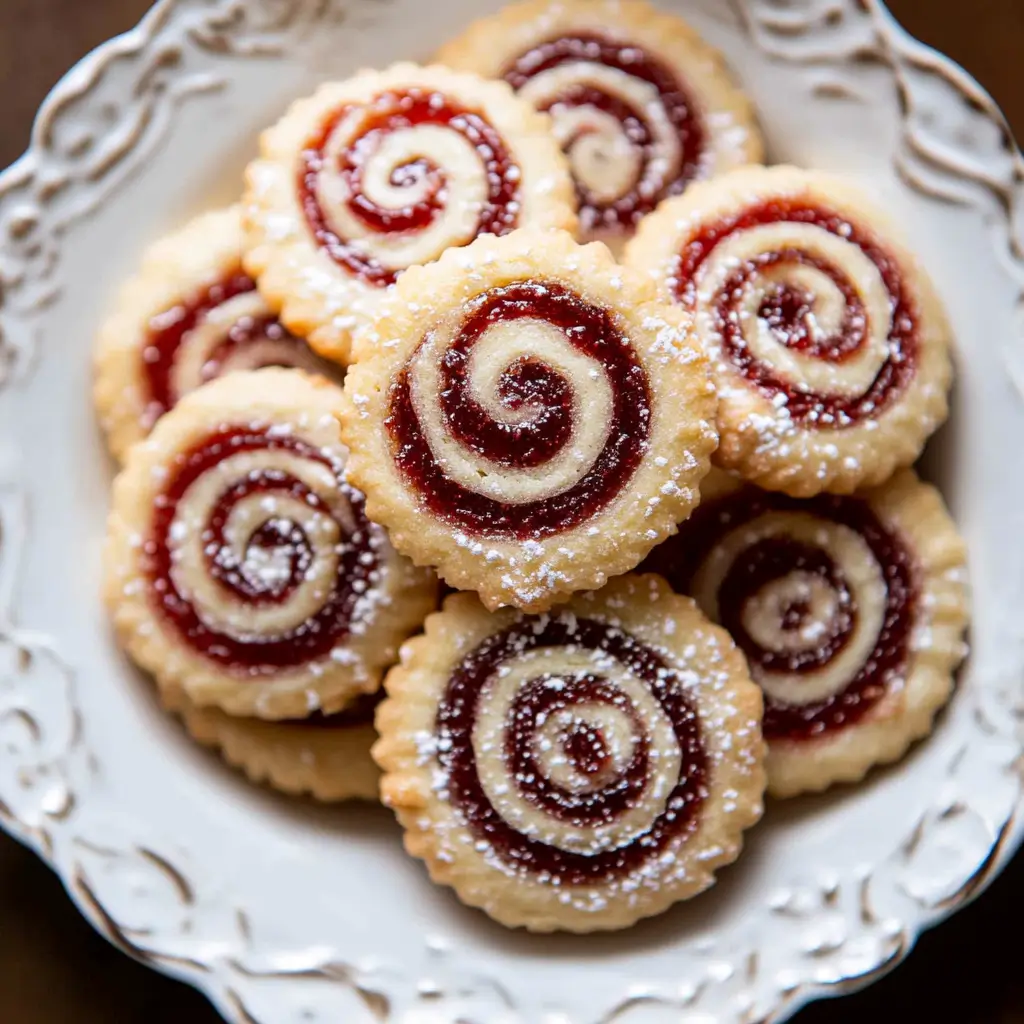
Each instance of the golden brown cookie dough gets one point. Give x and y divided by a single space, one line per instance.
640 103
240 565
385 171
190 314
851 611
829 344
532 421
326 757
577 770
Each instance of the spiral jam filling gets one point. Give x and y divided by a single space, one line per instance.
818 594
224 327
396 169
881 343
260 555
591 764
632 132
525 453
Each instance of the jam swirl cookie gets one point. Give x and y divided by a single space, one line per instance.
385 171
577 770
851 611
240 565
191 314
830 346
640 103
535 421
323 756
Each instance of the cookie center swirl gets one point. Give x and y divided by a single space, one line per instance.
585 748
223 327
260 555
790 606
807 306
399 180
632 132
522 416
818 594
572 749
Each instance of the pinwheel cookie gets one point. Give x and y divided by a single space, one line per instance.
191 314
578 770
240 565
851 611
533 421
386 171
829 344
640 103
324 756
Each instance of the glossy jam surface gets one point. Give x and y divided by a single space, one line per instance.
589 329
460 706
168 330
255 655
788 312
396 112
679 558
676 105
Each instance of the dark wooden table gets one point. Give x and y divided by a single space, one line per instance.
54 969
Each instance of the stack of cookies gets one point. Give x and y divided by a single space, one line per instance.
533 323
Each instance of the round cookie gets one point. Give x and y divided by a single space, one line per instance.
577 770
326 757
240 565
851 611
640 103
534 421
190 314
830 346
385 171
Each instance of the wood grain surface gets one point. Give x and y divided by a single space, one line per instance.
54 969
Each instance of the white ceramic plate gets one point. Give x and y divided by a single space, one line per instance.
284 912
